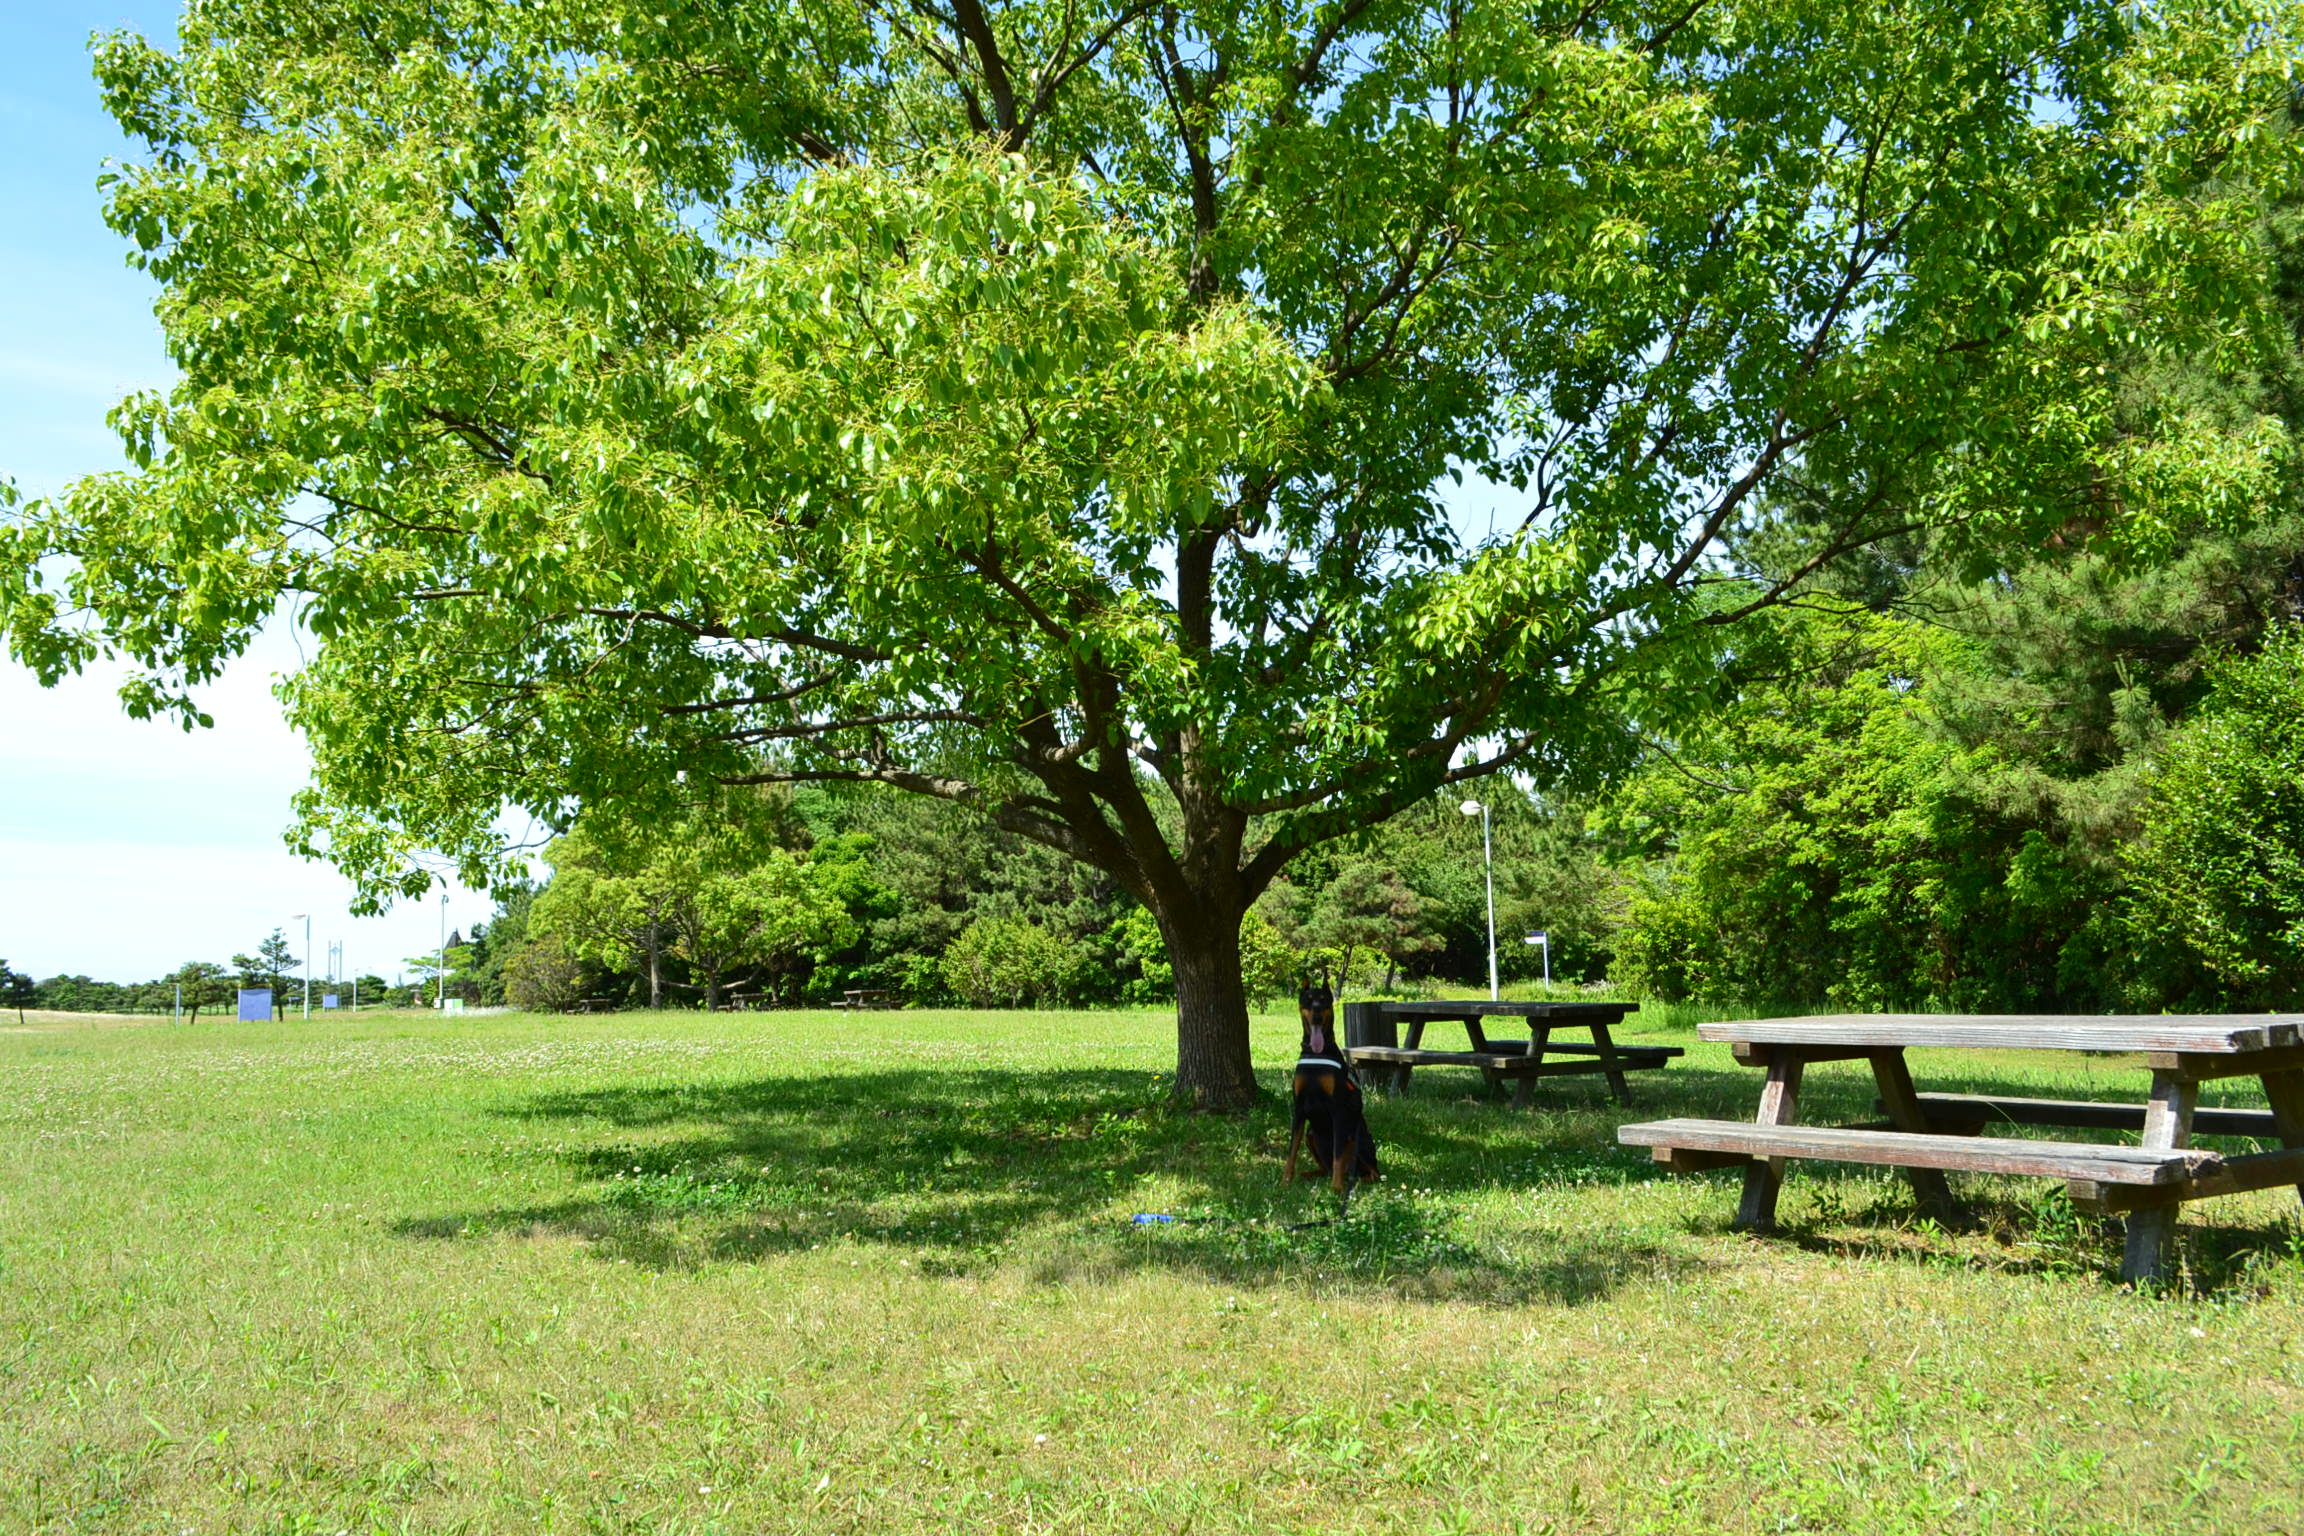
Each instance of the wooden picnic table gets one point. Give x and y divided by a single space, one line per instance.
1371 1039
865 997
1928 1133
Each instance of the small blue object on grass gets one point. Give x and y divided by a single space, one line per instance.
1151 1218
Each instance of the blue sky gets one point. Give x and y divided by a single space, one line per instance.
126 847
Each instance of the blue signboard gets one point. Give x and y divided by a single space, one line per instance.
256 1003
327 999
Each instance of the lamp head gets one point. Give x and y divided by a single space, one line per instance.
1473 807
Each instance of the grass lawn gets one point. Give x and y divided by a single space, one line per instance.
814 1272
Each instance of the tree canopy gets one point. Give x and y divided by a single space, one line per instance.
1088 412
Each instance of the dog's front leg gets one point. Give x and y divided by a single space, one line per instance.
1295 1141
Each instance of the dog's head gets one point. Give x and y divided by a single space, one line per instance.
1316 1006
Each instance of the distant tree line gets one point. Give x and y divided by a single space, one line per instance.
197 986
798 895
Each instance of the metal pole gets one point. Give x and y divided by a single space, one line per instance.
1488 858
179 1002
440 986
278 1003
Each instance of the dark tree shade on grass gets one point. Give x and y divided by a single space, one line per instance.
1049 408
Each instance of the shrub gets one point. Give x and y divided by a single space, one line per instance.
542 977
1005 962
2221 861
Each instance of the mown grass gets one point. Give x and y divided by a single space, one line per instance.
813 1272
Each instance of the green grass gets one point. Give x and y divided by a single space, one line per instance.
828 1273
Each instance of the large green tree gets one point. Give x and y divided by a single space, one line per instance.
198 984
1054 408
273 966
17 990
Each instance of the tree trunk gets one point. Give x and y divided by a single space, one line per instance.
1213 1069
711 991
655 967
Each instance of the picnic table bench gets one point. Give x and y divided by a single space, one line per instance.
1372 1040
865 997
592 1005
1927 1134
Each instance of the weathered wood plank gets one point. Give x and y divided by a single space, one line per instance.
1764 1179
2220 1034
1369 1024
2167 1126
2202 1066
1612 1064
1524 1086
1902 1103
1749 1054
2235 1176
1904 1149
1478 1008
1689 1160
1971 1109
1573 1048
2284 1091
1509 1064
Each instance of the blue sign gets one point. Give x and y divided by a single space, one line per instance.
327 999
256 1004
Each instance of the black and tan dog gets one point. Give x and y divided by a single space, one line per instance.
1328 1103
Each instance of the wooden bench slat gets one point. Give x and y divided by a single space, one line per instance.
1513 1068
1559 1013
1401 1055
1908 1149
2198 1033
1576 1048
1968 1108
2236 1175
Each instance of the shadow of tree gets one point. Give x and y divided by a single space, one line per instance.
956 1171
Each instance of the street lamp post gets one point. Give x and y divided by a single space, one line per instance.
307 961
440 985
1488 862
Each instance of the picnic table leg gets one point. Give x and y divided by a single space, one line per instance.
2167 1127
1894 1078
1401 1070
1610 1063
1539 1036
1779 1105
1490 1078
2284 1091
